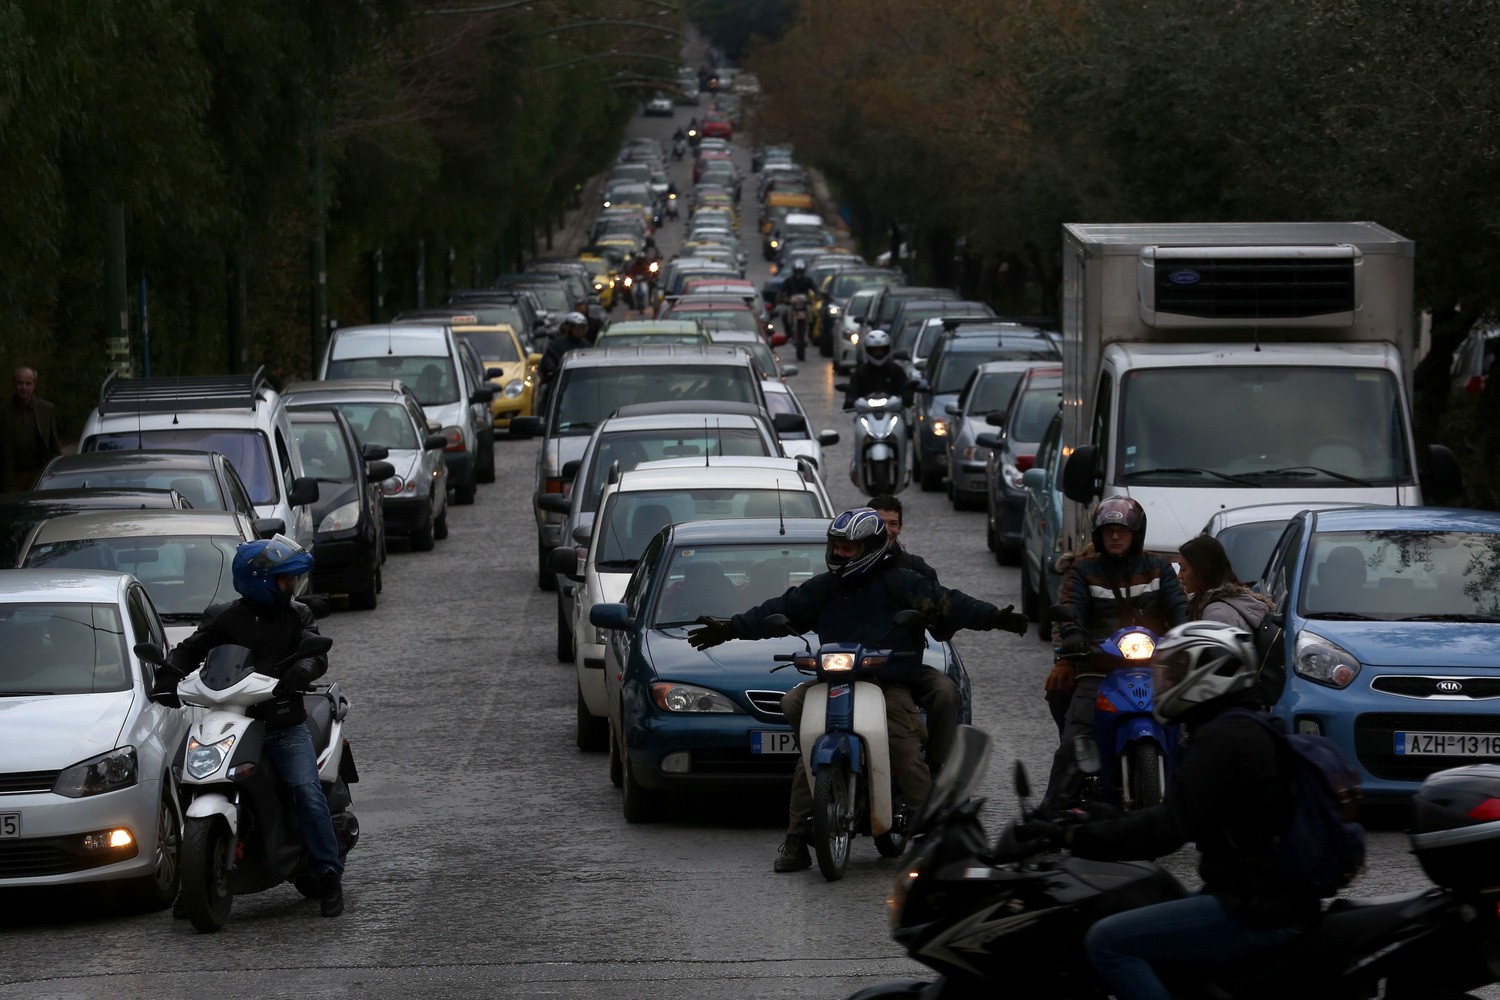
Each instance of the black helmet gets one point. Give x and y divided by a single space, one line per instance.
862 525
1122 511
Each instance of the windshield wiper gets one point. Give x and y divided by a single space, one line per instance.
577 425
1302 471
1340 616
23 694
1455 616
1180 470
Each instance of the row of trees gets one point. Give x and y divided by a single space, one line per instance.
977 127
231 138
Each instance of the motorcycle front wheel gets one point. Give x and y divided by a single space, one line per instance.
206 892
833 819
1146 779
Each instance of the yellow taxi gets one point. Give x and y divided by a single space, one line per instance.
779 203
604 276
498 347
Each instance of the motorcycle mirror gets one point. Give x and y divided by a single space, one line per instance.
1086 755
1022 783
150 652
907 617
312 645
780 621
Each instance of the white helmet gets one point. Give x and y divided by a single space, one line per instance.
575 318
1197 663
876 346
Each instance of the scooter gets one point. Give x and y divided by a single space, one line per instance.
982 914
671 210
798 319
877 463
1137 751
240 835
845 748
678 148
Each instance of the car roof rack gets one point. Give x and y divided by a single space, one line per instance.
168 395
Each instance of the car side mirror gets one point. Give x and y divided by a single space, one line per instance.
379 472
494 373
150 652
610 616
525 427
953 409
828 437
583 533
996 418
991 441
483 394
304 491
553 503
787 371
374 452
570 468
778 339
435 442
1080 474
789 423
1033 479
269 527
563 561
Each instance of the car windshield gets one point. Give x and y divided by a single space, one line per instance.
497 314
632 518
955 366
183 573
198 487
381 423
723 580
586 395
57 648
431 378
733 319
553 295
1249 546
1036 407
1403 575
324 454
247 450
991 392
1284 425
631 448
491 345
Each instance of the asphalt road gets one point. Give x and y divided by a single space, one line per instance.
494 859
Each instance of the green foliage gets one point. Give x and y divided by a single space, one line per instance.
733 24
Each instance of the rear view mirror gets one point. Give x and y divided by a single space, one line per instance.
434 442
150 652
570 469
269 527
1080 474
991 441
553 503
374 452
483 394
304 491
379 472
563 561
787 371
952 409
996 418
609 616
525 427
494 372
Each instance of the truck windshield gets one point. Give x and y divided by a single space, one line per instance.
1271 426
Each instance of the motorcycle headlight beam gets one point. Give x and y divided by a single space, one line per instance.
1136 646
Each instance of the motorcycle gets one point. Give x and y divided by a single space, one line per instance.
877 463
982 914
239 832
798 318
845 748
672 211
1137 751
679 147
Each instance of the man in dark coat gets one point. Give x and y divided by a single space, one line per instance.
30 434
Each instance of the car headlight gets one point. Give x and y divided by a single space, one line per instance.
342 517
203 760
974 453
513 388
939 427
670 697
834 311
838 661
107 772
1011 475
1324 662
1136 646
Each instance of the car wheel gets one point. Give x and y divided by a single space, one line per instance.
365 600
440 525
1028 594
930 482
206 891
591 732
564 633
463 494
157 890
1007 555
640 805
545 578
423 534
616 757
486 471
991 538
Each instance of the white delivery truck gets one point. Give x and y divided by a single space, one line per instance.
1213 365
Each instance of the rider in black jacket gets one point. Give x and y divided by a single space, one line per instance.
1119 585
1231 796
271 624
855 602
876 374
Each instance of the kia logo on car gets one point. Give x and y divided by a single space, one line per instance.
1184 277
1450 687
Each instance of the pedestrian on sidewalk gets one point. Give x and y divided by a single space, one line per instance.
28 439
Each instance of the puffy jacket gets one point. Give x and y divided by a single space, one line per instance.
270 633
1231 796
874 380
1234 604
1095 587
552 358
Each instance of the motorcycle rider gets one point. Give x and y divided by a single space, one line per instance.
1118 585
855 601
1231 796
800 283
641 276
572 335
268 621
876 374
888 506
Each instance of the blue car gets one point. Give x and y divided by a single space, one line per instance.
683 720
1392 637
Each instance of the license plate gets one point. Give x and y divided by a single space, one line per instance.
10 825
1448 744
769 741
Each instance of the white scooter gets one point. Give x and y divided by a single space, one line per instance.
240 835
878 462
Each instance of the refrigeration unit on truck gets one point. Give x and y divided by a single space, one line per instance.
1213 365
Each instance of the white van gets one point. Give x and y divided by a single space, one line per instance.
240 416
426 358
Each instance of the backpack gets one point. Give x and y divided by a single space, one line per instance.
1322 847
1270 657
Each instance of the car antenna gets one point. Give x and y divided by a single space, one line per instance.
719 430
780 514
707 445
388 350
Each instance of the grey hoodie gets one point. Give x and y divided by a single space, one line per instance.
1236 605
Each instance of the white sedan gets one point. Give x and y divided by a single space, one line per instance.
659 106
86 792
799 441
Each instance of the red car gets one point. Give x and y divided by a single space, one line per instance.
736 312
716 126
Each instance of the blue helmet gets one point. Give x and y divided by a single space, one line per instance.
864 526
257 564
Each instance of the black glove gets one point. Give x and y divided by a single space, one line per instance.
713 632
164 687
1007 620
294 679
1074 643
1042 831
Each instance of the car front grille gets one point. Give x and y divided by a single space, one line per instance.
27 782
1450 688
1374 741
53 856
766 702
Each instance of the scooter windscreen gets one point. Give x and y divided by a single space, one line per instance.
226 666
960 776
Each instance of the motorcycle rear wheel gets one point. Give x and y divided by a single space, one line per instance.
206 891
833 814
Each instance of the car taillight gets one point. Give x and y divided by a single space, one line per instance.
1475 385
455 438
1486 812
556 485
1024 462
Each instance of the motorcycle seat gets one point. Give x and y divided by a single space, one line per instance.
319 707
1347 926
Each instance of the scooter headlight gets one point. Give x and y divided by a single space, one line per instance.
1136 646
838 661
202 760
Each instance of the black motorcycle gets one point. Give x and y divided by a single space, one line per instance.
989 916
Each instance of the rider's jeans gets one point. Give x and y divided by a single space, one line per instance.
905 732
291 752
1196 931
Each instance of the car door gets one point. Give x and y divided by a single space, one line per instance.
155 730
